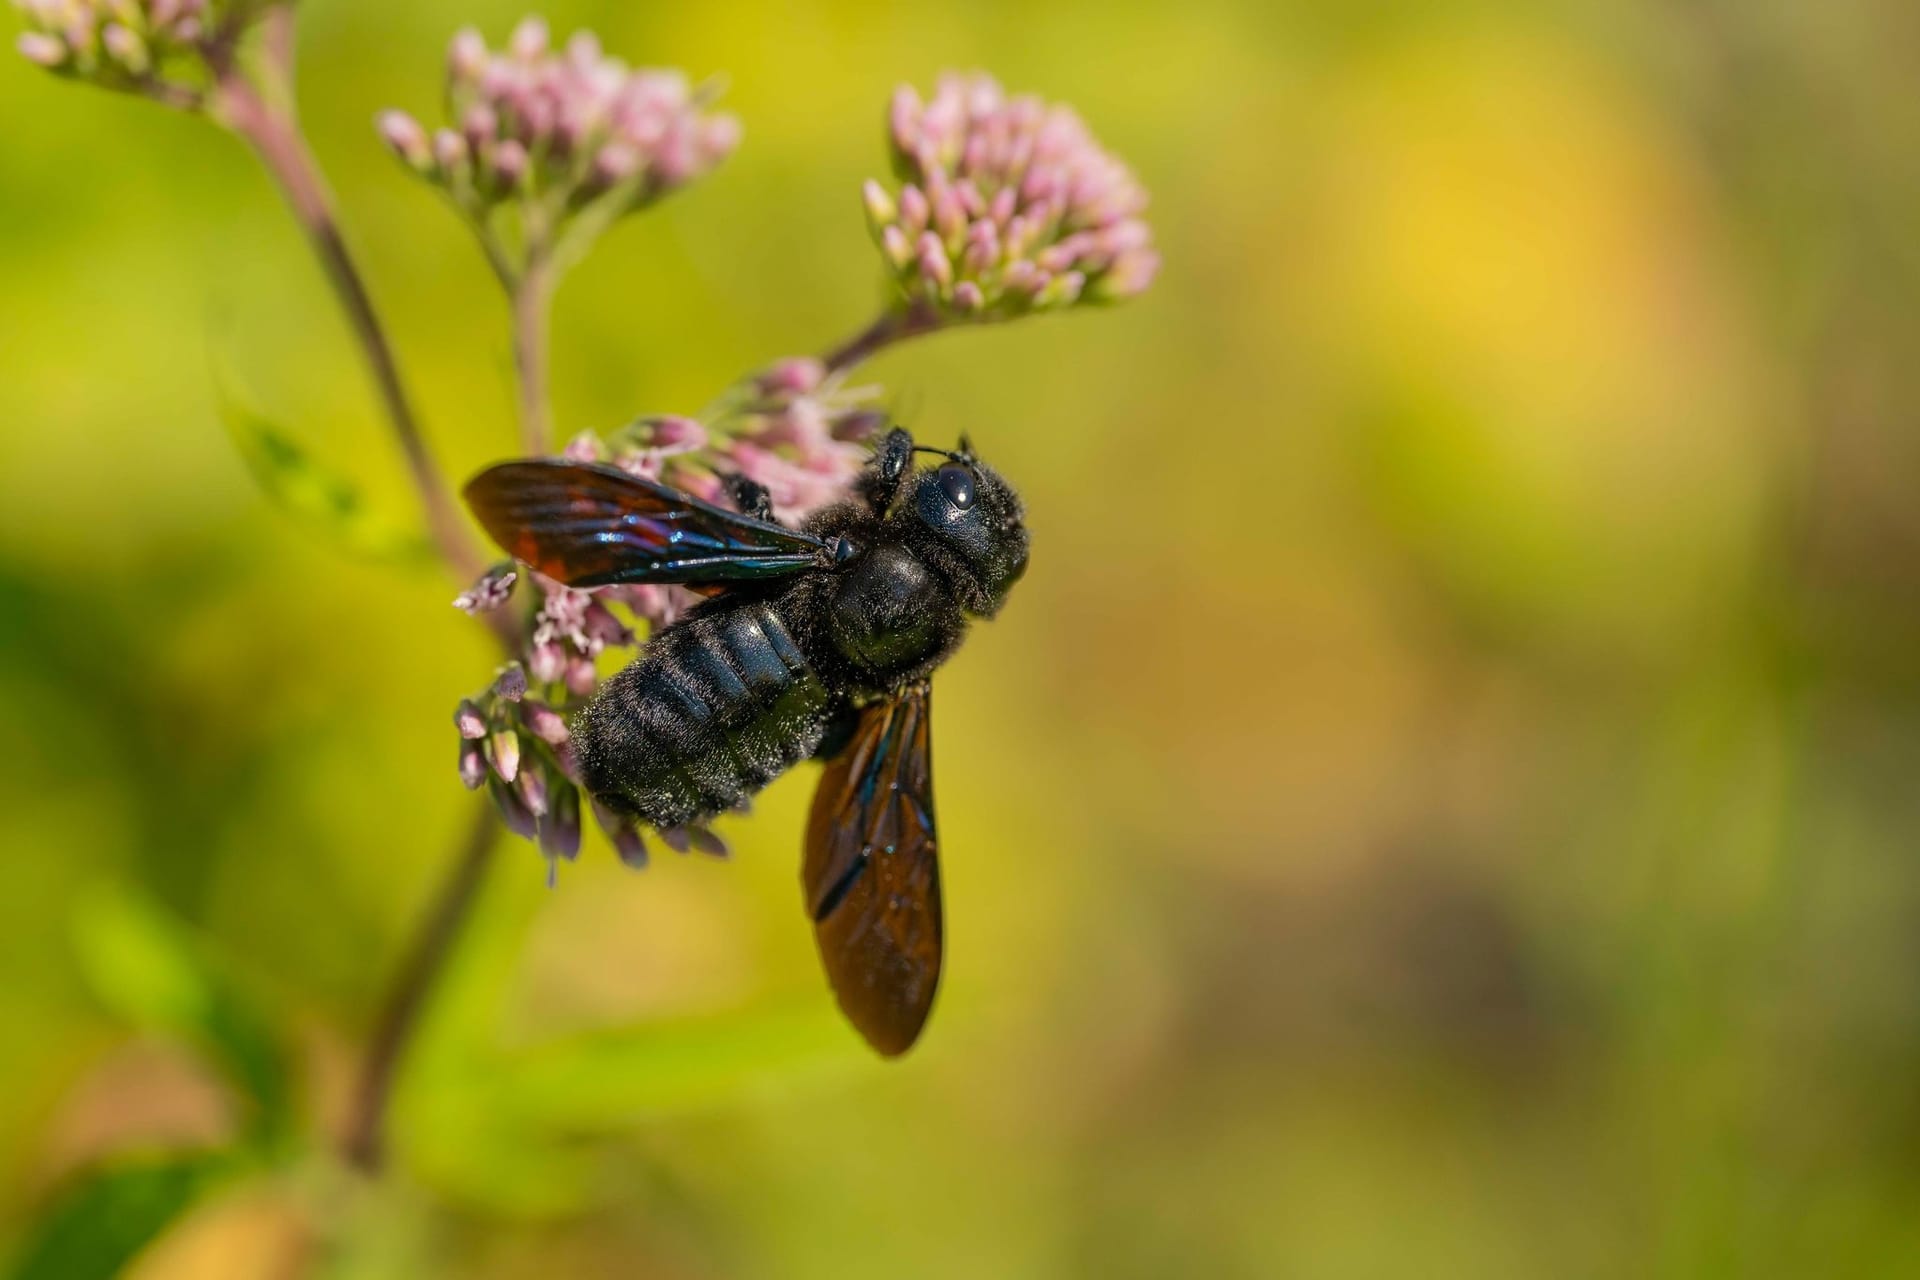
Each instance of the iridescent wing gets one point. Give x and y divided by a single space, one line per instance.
871 877
591 525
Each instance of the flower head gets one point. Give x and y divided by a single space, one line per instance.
549 131
1007 205
124 44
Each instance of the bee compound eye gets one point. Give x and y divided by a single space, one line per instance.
957 483
841 549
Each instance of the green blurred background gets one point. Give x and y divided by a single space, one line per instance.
1443 803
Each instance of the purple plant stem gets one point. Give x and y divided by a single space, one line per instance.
362 1140
895 324
276 138
532 294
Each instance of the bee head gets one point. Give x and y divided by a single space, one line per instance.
975 517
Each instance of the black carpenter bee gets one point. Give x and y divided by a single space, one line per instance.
820 643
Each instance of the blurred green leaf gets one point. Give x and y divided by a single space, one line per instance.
506 1129
314 496
611 1076
109 1215
147 969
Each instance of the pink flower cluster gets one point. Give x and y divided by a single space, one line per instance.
1009 205
791 430
560 127
110 40
517 747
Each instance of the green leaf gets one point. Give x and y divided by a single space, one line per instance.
103 1220
313 495
146 968
614 1077
516 1131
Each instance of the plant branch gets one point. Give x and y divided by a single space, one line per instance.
899 322
531 293
362 1141
276 138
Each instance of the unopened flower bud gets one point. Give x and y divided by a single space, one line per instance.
468 720
509 165
547 661
529 39
42 48
670 432
406 137
793 376
881 208
473 764
513 811
503 753
466 57
544 722
581 677
531 783
511 683
449 152
560 827
125 47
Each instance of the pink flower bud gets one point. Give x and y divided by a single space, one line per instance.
560 828
466 57
880 206
603 629
511 683
796 375
899 249
509 165
914 210
581 677
449 152
529 39
968 296
42 48
935 268
473 765
406 137
480 124
513 811
532 786
545 723
671 433
547 661
126 48
616 162
585 447
503 753
468 720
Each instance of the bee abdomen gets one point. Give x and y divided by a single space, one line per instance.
720 704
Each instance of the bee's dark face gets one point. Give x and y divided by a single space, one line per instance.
979 518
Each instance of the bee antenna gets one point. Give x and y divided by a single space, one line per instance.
927 448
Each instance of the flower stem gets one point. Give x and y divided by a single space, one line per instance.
276 138
532 313
893 325
362 1143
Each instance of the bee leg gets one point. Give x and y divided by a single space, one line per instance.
880 482
751 497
